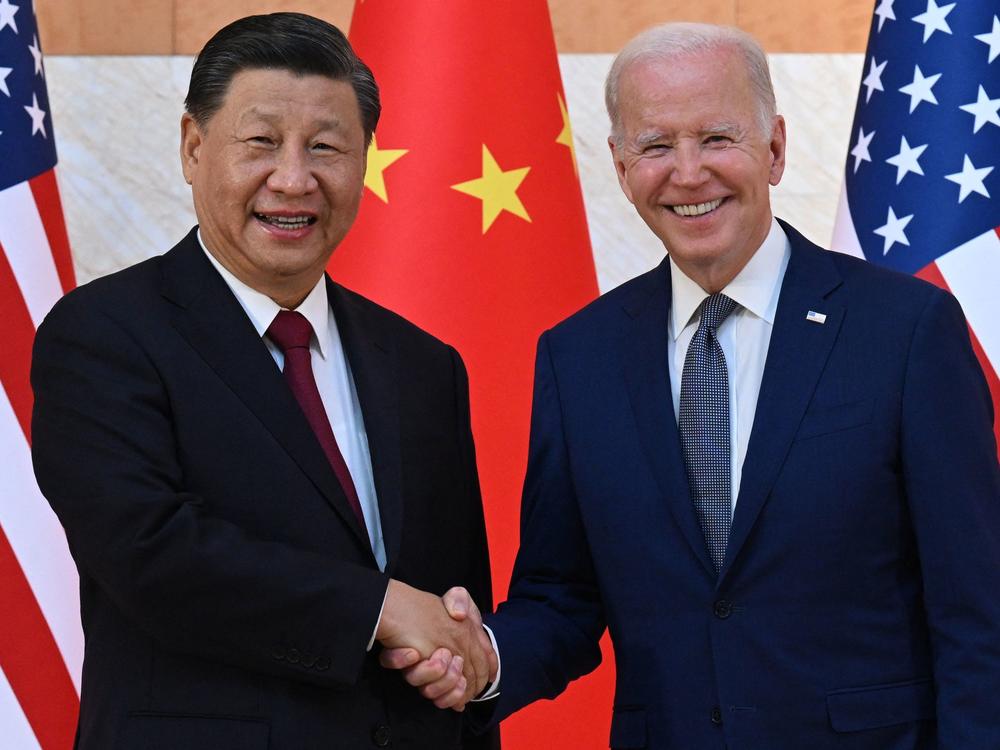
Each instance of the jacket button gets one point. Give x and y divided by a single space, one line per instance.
722 609
278 653
717 716
292 656
381 736
322 664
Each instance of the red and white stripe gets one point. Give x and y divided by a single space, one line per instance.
41 642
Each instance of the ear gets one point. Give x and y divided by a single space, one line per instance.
620 170
191 140
777 148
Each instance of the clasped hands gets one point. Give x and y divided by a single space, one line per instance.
438 642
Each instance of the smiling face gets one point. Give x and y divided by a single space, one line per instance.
693 162
277 175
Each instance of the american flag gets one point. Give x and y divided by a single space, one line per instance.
922 179
41 644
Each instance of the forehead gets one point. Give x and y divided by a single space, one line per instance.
696 89
283 94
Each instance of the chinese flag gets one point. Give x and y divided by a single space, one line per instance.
472 226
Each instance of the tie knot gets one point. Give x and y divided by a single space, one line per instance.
716 309
290 330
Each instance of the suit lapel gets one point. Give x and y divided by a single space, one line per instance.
374 369
210 318
796 356
644 361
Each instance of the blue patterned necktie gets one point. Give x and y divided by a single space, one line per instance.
703 420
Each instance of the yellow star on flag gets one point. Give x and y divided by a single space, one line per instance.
378 160
497 190
566 134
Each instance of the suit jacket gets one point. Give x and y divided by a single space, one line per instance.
857 607
228 593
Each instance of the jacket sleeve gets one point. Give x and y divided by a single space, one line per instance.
548 630
106 458
952 484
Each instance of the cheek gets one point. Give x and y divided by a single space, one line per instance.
644 178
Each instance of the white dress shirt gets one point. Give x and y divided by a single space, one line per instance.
332 373
744 336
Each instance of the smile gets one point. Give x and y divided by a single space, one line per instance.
286 222
696 209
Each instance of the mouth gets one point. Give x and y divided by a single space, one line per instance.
696 209
288 222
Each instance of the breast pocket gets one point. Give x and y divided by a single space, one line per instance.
823 420
148 731
856 709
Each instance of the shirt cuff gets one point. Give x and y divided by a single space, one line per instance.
378 621
492 690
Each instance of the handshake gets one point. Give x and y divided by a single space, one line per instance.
438 642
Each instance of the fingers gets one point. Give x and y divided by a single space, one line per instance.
478 659
399 658
487 645
429 671
440 679
449 690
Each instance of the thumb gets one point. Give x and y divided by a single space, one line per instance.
399 658
459 604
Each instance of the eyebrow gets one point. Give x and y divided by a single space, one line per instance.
272 117
644 139
721 128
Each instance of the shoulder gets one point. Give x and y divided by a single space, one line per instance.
124 297
611 313
863 284
130 295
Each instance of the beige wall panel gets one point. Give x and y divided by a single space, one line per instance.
830 26
106 27
156 27
197 20
602 26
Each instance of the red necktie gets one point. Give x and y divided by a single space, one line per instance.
290 332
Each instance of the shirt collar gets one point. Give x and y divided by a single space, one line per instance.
755 288
262 310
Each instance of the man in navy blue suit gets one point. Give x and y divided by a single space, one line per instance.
766 468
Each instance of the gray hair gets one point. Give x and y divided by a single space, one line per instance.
673 40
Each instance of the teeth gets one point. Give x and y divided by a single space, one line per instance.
286 222
697 209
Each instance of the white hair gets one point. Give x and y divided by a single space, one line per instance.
672 40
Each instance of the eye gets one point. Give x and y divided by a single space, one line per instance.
263 140
718 140
322 147
656 148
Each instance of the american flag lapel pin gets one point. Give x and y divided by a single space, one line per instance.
816 317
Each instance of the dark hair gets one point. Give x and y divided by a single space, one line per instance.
294 42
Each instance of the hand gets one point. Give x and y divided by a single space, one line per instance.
441 642
438 678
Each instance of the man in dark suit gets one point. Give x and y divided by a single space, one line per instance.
261 473
767 469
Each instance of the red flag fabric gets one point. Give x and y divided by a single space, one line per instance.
41 644
473 227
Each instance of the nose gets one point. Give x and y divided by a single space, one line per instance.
292 173
689 167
